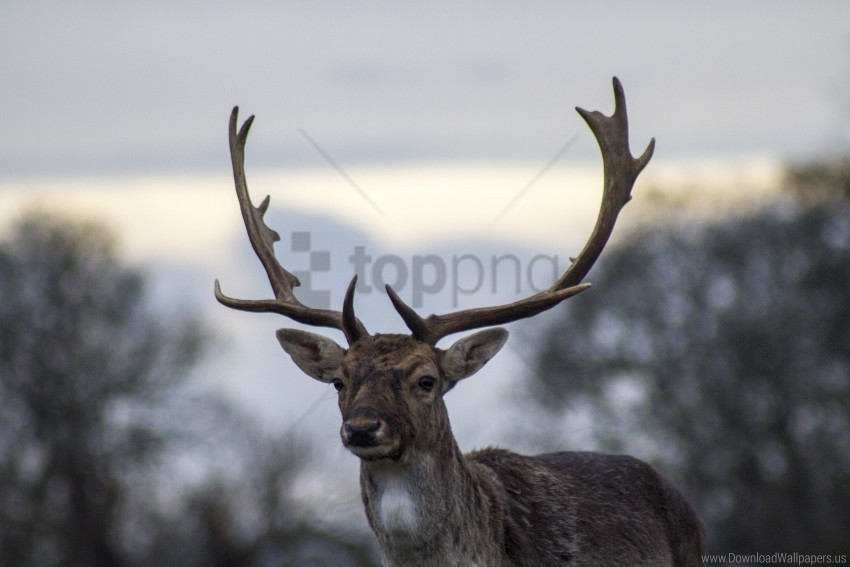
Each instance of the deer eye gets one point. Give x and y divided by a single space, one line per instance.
427 383
337 383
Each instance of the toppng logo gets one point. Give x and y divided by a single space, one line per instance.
426 274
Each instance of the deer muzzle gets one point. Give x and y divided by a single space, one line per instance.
361 432
369 436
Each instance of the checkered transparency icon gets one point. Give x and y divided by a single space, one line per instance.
319 261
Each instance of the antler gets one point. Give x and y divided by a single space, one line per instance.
262 240
620 172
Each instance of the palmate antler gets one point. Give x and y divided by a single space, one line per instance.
262 240
620 172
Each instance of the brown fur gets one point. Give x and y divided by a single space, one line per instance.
429 504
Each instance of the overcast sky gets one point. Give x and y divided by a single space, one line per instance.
120 109
102 87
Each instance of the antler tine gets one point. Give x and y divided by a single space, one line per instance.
262 240
351 325
620 172
434 327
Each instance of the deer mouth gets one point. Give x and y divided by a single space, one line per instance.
377 452
375 449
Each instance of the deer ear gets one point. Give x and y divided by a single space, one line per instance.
319 357
469 354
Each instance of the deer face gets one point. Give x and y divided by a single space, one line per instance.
391 387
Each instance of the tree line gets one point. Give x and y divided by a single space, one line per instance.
95 417
720 351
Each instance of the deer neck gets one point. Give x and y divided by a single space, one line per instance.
432 509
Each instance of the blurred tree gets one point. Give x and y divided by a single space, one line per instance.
820 181
94 416
84 368
247 512
722 353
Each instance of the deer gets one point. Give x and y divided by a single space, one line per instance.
428 503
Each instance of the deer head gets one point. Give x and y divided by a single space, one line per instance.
391 387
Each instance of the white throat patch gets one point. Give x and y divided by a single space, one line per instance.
396 507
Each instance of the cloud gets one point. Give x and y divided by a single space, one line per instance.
143 87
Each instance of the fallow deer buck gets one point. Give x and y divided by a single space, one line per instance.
431 505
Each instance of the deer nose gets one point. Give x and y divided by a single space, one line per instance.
361 430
